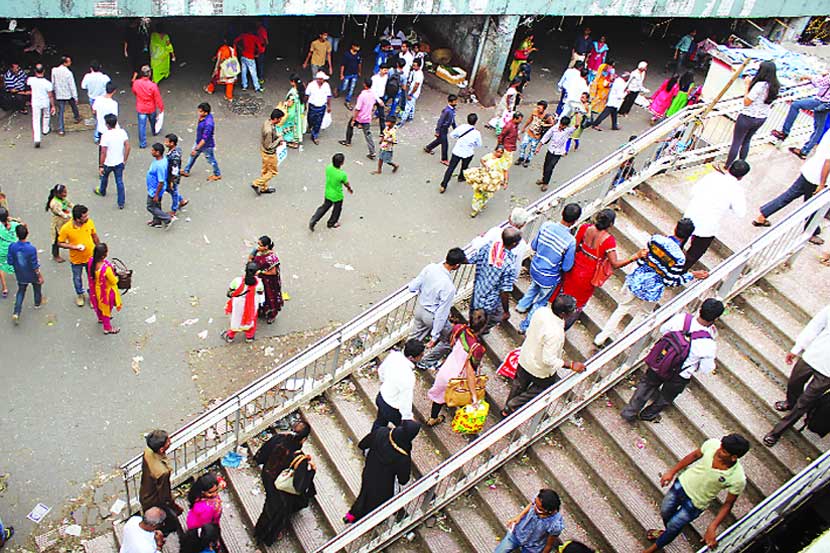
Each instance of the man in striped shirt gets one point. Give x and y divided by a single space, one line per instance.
819 105
15 93
554 249
662 267
557 140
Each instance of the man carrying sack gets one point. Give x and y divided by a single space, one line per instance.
541 357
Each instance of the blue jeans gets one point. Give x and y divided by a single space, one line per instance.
677 511
249 66
61 105
177 198
347 86
208 156
800 188
78 270
119 181
535 297
21 293
527 147
409 110
819 118
142 127
315 119
508 544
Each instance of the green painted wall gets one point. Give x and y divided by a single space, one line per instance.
643 8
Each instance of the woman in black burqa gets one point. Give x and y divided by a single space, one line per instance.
389 458
276 455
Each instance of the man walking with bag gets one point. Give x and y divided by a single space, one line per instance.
271 140
397 384
686 347
467 139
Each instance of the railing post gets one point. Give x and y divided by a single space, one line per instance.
730 280
335 361
236 443
127 488
636 350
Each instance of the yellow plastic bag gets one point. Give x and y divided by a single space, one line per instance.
470 418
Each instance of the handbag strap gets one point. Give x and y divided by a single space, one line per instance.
297 460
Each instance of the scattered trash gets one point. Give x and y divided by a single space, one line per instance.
231 460
358 162
73 530
609 403
189 322
344 267
37 514
295 277
247 104
151 319
194 301
546 70
203 334
3 478
286 296
210 321
136 364
206 239
269 351
640 443
182 64
118 506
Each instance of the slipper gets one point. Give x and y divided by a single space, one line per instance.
764 224
798 153
430 152
824 260
113 331
504 414
782 406
770 440
436 421
652 535
5 294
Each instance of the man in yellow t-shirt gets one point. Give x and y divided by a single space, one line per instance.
319 54
79 237
711 468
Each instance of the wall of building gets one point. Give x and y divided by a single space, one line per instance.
642 8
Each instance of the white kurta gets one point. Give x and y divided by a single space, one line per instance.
238 304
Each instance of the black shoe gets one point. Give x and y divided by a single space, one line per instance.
268 190
344 143
311 226
256 189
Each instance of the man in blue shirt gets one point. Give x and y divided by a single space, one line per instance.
683 49
555 248
204 142
495 276
156 178
442 129
22 256
350 69
662 266
537 528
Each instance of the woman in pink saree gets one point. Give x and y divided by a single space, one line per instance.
205 503
104 296
596 57
663 96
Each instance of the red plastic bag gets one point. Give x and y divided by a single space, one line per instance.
510 363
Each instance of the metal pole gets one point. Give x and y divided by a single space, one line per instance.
482 39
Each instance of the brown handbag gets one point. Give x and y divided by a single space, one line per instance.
458 392
125 275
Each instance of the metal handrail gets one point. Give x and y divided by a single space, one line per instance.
307 374
469 466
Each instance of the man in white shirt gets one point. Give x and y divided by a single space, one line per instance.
43 103
378 88
633 88
95 82
143 534
574 88
115 149
714 197
467 139
701 359
318 96
541 361
407 56
66 92
565 80
414 85
811 181
812 350
104 105
615 100
397 385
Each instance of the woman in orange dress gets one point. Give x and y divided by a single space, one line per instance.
594 243
601 86
226 77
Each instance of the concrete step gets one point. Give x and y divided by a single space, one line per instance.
104 543
780 324
246 487
467 516
237 533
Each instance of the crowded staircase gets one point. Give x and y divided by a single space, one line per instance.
606 471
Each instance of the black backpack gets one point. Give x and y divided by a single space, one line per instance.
818 417
393 85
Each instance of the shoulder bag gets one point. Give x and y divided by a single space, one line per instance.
285 480
458 391
125 275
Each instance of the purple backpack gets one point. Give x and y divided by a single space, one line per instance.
667 356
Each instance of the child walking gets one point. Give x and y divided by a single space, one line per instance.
388 139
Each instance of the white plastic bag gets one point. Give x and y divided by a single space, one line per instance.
159 122
326 121
282 154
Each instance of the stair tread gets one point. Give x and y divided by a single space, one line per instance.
335 443
777 319
236 536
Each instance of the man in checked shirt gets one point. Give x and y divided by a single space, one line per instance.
557 139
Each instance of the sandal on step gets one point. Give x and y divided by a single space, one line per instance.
770 439
436 421
653 535
782 406
764 224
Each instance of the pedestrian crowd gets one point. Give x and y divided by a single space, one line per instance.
569 260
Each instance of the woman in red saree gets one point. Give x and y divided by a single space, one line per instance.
245 295
268 267
594 244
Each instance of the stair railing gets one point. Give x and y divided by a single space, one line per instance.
228 424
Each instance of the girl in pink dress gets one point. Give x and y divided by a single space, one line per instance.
596 57
663 97
205 503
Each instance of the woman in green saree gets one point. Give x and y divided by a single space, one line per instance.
161 53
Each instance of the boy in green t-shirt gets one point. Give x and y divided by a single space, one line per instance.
711 468
336 179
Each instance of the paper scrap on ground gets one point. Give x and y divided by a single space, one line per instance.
151 319
118 506
189 322
203 334
73 530
343 266
136 364
206 239
38 513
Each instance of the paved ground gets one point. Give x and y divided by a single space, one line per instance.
73 405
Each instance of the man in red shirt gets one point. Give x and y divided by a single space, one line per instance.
148 104
510 135
249 46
